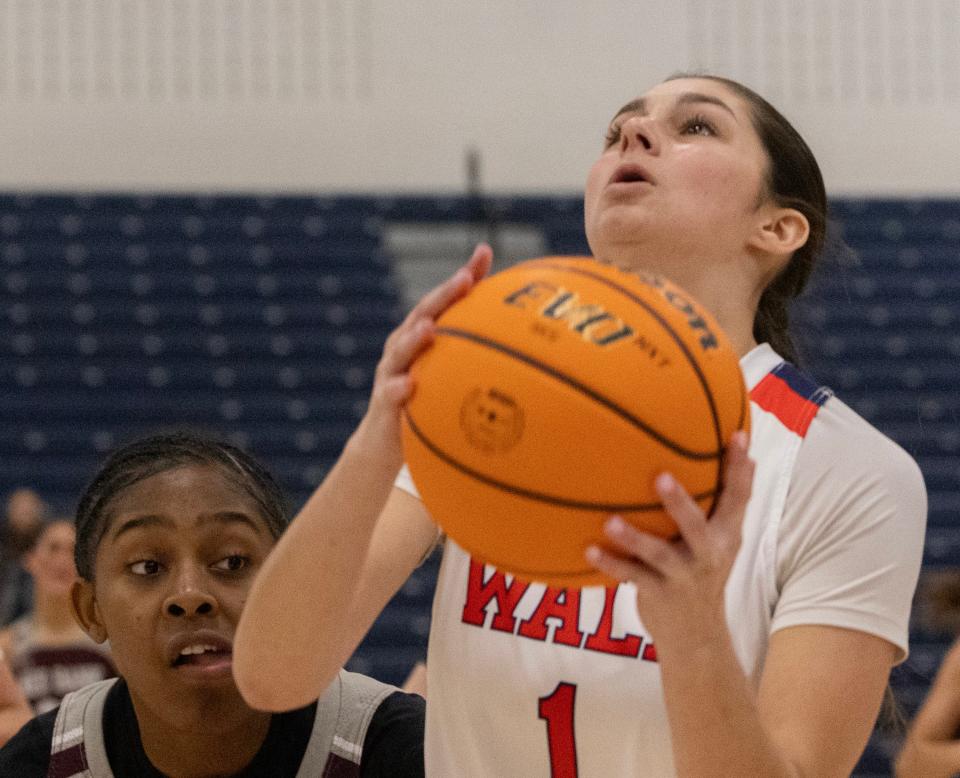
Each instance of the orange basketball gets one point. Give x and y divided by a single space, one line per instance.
554 394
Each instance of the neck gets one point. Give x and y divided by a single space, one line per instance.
218 738
723 285
738 326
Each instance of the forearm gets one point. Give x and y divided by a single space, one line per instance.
297 627
348 550
714 721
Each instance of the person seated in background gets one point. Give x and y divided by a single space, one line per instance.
22 521
170 535
48 651
15 711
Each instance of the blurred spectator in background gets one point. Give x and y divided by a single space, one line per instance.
48 652
22 521
15 711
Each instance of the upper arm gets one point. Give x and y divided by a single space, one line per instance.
403 536
820 692
850 541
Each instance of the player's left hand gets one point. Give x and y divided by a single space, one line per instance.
680 584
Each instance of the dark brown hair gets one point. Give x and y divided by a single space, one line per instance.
793 180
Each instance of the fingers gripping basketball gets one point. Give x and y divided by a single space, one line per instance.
552 396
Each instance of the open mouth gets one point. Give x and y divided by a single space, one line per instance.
630 174
203 655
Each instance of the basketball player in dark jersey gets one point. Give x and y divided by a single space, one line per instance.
169 536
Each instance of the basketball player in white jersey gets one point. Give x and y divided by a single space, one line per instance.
758 644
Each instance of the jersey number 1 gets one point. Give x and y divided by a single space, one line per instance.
557 711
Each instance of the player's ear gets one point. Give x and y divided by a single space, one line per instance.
780 231
86 609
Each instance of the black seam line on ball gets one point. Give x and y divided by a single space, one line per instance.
666 326
565 266
533 495
608 404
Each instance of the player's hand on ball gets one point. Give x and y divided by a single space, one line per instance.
392 382
680 584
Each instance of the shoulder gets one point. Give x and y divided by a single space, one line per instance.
841 447
400 707
393 744
27 754
853 489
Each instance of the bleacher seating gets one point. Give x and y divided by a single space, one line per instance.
263 317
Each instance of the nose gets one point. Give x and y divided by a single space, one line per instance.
190 598
639 131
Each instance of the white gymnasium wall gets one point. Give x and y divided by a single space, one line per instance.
375 95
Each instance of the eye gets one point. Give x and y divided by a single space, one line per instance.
612 136
232 564
698 125
145 567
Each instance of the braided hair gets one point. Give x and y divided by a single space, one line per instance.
156 454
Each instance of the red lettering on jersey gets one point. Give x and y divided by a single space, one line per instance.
649 653
602 640
479 595
563 604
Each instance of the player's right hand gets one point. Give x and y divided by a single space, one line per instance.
393 385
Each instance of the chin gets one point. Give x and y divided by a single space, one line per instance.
214 708
618 237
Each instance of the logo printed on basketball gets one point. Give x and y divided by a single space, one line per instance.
708 340
492 421
595 324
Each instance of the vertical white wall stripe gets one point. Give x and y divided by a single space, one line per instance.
879 52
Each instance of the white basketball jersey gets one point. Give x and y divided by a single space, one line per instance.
527 680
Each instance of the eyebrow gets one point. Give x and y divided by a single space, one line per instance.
152 520
687 98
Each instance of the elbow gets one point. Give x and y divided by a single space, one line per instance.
267 686
264 691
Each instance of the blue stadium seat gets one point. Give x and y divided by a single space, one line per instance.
262 317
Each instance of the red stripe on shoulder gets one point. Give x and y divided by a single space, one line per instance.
775 395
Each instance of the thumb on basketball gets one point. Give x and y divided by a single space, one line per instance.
415 333
393 385
441 297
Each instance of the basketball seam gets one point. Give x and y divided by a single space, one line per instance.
534 495
576 385
679 341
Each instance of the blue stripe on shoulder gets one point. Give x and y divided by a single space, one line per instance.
801 383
